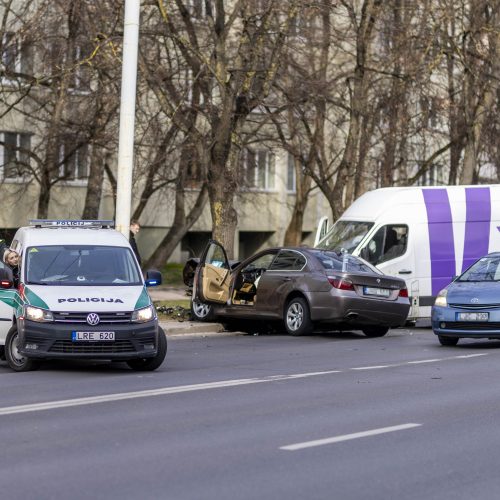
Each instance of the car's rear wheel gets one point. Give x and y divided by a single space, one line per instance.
297 317
447 341
150 364
201 311
17 361
375 331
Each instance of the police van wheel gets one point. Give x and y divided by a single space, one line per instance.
15 359
150 364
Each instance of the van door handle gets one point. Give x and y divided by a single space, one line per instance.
405 271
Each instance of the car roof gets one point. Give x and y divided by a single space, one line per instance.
33 236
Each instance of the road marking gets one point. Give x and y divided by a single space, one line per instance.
419 362
164 391
347 437
371 367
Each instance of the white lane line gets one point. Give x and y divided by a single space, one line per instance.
51 405
347 437
107 398
371 367
421 361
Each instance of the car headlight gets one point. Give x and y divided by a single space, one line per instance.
441 298
37 314
143 315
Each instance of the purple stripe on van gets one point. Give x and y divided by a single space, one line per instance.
442 247
477 224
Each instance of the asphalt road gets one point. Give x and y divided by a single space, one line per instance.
333 416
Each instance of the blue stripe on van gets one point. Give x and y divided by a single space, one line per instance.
477 224
441 242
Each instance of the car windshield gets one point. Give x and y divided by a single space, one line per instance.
345 236
485 269
71 265
344 262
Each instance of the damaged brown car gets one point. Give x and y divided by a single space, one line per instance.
298 289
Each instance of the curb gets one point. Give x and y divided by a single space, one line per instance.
191 329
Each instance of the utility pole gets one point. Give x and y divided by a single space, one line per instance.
127 116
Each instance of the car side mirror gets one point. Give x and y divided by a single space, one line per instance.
6 279
153 278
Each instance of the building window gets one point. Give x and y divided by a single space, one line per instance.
291 178
258 169
73 161
200 8
16 55
81 72
14 155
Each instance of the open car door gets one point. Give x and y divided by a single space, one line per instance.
214 274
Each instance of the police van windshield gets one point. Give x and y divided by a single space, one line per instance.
80 265
345 236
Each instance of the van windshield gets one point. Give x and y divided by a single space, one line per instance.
81 265
345 236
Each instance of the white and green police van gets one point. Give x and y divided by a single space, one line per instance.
80 294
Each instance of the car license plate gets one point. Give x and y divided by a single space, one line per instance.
92 336
473 316
378 292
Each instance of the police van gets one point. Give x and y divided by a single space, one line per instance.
80 293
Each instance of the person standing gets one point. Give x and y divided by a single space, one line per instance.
134 229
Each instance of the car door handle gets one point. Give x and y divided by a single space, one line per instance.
405 271
287 279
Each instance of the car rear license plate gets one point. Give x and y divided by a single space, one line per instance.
92 336
473 316
378 292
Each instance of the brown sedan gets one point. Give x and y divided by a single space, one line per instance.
301 288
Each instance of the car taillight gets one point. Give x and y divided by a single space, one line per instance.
341 284
403 292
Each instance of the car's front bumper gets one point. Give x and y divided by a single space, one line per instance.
54 341
445 322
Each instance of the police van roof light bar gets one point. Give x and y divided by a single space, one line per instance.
104 224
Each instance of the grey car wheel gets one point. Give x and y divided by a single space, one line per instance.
202 311
297 317
17 361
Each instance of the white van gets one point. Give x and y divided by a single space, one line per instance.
426 235
79 293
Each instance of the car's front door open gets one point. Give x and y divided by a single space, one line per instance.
215 275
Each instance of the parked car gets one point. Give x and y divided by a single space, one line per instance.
469 307
300 288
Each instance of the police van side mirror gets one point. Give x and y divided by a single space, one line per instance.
6 280
153 278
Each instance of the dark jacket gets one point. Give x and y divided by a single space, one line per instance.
3 247
133 244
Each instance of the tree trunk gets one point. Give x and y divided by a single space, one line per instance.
94 185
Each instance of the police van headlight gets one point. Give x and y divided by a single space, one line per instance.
441 298
37 314
143 315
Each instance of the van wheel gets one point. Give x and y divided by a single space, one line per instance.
447 341
375 331
150 364
297 317
16 360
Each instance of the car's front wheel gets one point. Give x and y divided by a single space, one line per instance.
201 311
150 364
297 317
375 331
17 361
447 341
